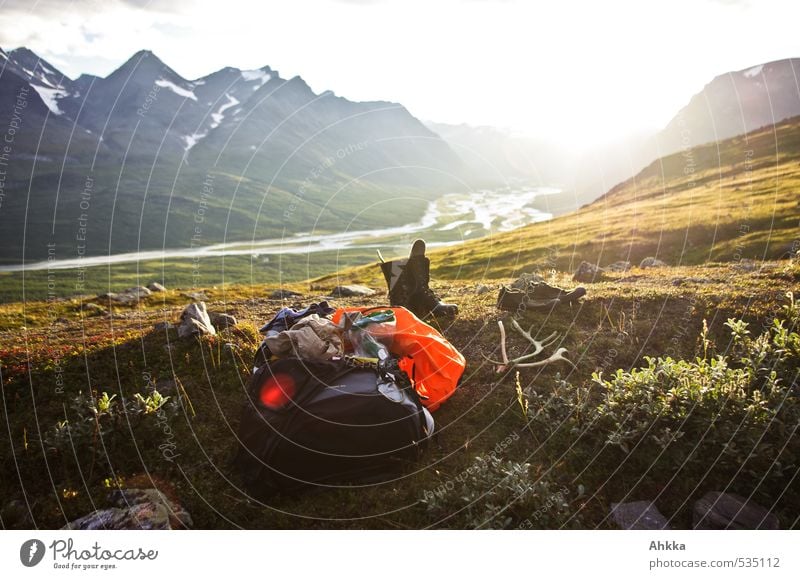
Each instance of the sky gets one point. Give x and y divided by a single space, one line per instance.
576 73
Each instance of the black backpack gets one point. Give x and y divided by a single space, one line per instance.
308 424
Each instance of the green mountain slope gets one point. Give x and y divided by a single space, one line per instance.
727 201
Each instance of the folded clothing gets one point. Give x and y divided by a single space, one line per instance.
311 338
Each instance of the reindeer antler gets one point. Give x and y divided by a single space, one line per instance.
538 347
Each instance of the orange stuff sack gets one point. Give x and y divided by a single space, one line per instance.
432 363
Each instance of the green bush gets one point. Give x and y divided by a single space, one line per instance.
101 428
493 493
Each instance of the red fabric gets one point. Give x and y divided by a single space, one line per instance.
427 357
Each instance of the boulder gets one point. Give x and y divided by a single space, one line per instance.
525 280
284 294
619 266
588 272
195 321
222 321
154 286
640 515
717 510
349 291
147 509
651 262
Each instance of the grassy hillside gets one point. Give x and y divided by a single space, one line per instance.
583 439
737 199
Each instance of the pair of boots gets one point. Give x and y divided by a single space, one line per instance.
408 281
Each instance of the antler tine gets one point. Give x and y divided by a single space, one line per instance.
557 356
537 344
503 339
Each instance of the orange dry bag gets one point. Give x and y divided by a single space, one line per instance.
432 363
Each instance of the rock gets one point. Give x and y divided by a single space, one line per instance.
106 298
526 279
349 291
588 272
163 326
195 321
196 296
91 309
651 262
147 509
679 281
639 515
718 510
619 266
482 289
154 286
284 294
229 347
746 265
222 321
128 296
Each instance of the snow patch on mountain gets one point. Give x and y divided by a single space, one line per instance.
751 72
218 116
261 76
180 91
190 141
50 96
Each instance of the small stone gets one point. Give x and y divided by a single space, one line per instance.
619 266
525 280
482 289
163 326
651 262
718 510
154 286
746 265
126 297
588 272
348 291
106 298
195 321
640 515
222 321
196 296
284 294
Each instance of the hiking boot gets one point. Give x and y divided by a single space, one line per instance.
545 291
536 295
409 284
513 299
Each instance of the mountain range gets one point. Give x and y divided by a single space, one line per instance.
144 158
